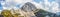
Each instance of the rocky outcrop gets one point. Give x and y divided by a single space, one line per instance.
25 11
28 8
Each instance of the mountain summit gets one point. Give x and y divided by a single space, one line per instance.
28 7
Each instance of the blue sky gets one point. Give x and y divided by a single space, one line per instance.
43 0
38 1
34 0
1 7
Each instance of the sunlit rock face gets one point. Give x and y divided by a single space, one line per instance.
28 7
26 10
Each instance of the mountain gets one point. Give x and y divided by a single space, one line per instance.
28 7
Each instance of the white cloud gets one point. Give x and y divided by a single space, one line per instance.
8 8
22 1
4 8
0 10
19 1
38 6
15 8
2 3
46 2
55 7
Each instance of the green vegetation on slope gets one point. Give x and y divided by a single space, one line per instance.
43 13
7 13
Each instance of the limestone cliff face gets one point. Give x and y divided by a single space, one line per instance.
28 7
26 10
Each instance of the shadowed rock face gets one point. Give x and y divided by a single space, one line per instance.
43 13
1 16
28 7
